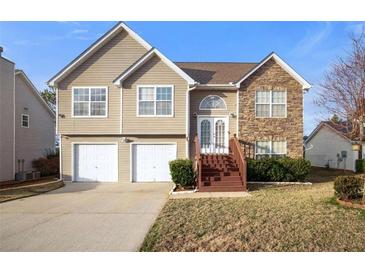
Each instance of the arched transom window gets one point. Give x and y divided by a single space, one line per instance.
212 102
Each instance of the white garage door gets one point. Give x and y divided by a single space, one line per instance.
151 162
95 162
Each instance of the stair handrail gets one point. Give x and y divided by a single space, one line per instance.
240 158
198 161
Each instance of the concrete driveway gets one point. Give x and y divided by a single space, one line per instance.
82 217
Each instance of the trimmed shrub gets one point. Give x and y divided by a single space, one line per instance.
182 172
360 165
278 169
297 169
349 187
47 166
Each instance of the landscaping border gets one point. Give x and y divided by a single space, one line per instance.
280 183
350 205
30 190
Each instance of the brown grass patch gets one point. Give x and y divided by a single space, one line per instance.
290 218
24 190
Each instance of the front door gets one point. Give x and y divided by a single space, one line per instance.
213 134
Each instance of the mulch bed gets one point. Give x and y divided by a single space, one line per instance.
180 188
351 204
10 184
9 192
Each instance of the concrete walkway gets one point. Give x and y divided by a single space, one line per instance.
82 217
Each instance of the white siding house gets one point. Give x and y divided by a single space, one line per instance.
328 147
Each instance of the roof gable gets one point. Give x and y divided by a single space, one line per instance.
120 26
144 59
284 65
35 91
341 131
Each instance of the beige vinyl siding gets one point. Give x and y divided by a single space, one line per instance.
196 96
154 72
6 120
124 152
32 142
99 70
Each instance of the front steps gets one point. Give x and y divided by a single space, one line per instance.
220 173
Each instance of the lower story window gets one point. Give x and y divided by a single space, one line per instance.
270 149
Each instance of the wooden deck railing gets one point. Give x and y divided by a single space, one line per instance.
240 158
198 161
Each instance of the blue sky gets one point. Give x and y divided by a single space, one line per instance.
41 49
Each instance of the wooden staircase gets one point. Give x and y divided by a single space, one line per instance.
222 172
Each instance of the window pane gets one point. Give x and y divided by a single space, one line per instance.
213 102
164 93
262 110
146 108
205 134
278 97
146 94
81 109
98 94
81 94
263 97
278 110
98 109
279 147
262 147
25 121
163 108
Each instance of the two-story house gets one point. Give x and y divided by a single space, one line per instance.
124 110
27 124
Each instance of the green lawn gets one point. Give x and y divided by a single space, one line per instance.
287 218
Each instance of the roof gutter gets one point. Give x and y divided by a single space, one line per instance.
216 87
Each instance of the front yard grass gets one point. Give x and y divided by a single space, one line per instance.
285 218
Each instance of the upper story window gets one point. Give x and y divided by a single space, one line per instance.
271 104
155 101
90 101
25 120
270 149
212 102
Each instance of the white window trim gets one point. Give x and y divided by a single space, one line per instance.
206 97
270 154
90 116
21 120
271 104
155 88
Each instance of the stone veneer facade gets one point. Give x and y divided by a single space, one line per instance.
289 129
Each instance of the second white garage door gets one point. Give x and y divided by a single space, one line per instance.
150 162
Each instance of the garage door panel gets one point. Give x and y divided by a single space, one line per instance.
151 162
96 162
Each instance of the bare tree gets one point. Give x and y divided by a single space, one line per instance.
343 88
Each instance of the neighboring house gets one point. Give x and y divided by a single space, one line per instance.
124 110
330 145
27 124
